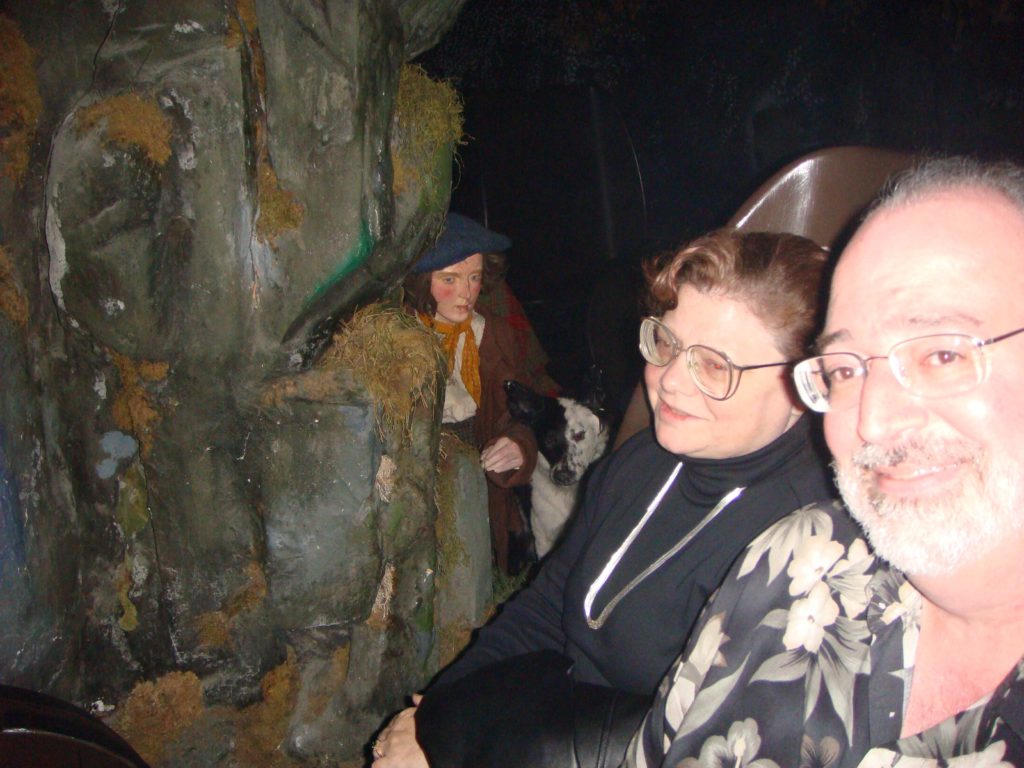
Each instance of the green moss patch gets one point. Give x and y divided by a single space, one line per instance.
132 510
129 620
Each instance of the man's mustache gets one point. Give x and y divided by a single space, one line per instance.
917 451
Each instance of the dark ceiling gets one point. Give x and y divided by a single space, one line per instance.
602 129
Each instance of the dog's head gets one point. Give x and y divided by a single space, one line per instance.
570 436
528 407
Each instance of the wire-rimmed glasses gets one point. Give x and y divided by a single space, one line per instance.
937 365
712 371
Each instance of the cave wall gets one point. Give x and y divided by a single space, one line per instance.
205 531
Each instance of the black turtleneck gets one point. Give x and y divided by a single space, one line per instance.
705 481
647 629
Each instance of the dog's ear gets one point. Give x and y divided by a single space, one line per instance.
595 394
523 403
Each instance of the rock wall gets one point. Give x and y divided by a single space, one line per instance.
206 533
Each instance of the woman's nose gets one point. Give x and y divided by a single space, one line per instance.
676 377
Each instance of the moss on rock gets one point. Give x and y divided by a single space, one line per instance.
427 122
133 122
391 354
279 211
214 627
20 103
262 727
129 620
132 509
156 712
451 552
13 303
133 407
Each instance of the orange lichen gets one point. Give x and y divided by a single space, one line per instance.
251 594
321 689
262 727
131 121
133 408
247 13
20 104
155 713
277 393
214 630
12 300
279 211
129 620
339 665
452 640
214 627
244 11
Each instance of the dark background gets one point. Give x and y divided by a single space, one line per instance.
602 130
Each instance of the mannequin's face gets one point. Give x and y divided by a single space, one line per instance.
455 289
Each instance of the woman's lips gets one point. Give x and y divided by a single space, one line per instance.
669 412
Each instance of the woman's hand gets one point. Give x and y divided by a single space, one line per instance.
396 747
502 455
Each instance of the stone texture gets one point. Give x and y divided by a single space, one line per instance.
182 489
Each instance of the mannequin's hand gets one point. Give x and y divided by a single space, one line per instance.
501 456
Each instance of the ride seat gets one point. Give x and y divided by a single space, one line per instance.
40 730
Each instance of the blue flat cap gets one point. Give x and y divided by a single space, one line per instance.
462 237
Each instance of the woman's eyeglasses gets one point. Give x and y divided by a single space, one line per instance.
712 371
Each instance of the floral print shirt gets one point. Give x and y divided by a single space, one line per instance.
803 659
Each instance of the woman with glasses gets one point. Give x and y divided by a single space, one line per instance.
730 452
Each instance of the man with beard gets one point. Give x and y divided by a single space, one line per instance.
814 652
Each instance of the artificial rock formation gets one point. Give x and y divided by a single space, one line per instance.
210 531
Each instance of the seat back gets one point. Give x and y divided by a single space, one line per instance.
820 195
37 730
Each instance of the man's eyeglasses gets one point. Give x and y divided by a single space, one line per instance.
928 366
712 371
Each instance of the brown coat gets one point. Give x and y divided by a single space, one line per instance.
498 362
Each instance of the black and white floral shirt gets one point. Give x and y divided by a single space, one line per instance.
803 659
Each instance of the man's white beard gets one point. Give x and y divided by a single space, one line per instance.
933 535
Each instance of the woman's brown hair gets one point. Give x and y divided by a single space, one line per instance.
780 277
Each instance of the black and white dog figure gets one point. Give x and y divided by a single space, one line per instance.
570 437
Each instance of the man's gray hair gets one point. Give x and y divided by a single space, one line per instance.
952 173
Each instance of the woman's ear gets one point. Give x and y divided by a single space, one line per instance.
794 415
794 399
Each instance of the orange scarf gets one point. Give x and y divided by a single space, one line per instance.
449 335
